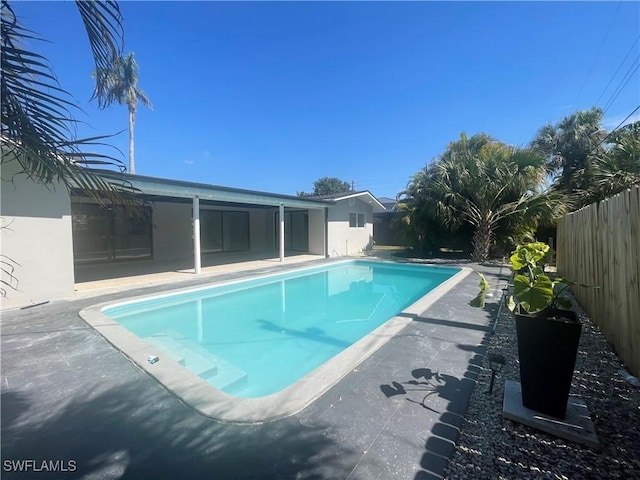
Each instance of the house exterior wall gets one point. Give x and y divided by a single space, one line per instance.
36 234
346 240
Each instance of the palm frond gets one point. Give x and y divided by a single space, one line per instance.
142 97
103 23
8 265
38 128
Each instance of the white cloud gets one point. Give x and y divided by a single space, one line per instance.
198 157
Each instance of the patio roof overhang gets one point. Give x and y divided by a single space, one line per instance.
161 187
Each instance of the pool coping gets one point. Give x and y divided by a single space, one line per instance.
218 405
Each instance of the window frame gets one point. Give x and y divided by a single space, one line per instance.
357 220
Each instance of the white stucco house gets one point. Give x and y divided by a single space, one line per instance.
52 239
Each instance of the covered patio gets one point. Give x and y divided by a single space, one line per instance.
188 228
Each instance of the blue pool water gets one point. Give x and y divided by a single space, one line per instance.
256 337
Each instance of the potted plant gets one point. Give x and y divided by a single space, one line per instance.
548 334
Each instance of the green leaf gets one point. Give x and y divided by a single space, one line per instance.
535 296
517 263
480 299
564 302
538 271
484 285
534 255
511 304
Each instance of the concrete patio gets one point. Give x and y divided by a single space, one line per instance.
67 395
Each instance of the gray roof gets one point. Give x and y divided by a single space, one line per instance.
183 189
387 202
375 203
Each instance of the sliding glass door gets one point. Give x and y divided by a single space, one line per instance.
224 231
296 230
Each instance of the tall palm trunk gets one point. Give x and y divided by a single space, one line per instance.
481 243
132 163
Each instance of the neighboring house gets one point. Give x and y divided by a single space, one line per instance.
383 233
350 222
54 239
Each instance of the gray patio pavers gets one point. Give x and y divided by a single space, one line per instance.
67 394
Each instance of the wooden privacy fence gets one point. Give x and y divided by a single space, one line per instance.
600 245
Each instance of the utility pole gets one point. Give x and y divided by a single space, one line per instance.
353 186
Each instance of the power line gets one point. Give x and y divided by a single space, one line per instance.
389 181
628 76
618 69
385 182
622 122
615 129
383 185
598 52
377 179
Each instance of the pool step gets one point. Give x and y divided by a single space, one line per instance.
186 356
216 371
228 377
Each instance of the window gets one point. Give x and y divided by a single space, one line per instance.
356 220
104 233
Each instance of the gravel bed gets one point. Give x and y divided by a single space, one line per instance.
492 447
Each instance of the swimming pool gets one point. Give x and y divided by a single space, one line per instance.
275 342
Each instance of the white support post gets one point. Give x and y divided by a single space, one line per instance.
325 232
200 325
197 265
283 297
282 232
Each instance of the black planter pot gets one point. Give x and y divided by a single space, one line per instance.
547 349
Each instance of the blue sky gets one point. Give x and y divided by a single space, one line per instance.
274 95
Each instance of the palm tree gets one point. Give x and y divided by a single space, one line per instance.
412 219
38 128
617 167
487 184
119 82
568 147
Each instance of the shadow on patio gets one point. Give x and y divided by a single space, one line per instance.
443 394
123 434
